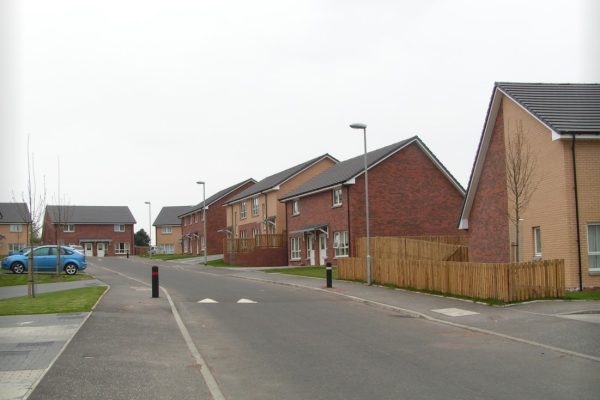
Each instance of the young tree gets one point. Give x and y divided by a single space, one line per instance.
521 174
141 238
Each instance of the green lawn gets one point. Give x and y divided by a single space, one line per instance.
585 295
218 263
66 301
10 279
314 272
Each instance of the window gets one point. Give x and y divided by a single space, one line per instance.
594 247
68 228
295 207
243 210
16 228
537 241
255 206
242 234
196 218
167 230
295 246
165 249
337 197
15 247
189 219
119 228
121 248
340 244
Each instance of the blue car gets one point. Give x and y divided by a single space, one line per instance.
44 259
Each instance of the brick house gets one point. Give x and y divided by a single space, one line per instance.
101 230
14 219
216 221
257 210
410 193
561 124
168 231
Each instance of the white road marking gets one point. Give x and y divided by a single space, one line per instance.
207 301
454 312
246 301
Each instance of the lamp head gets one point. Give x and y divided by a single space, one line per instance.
358 125
200 182
147 202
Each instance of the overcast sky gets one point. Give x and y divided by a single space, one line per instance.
138 100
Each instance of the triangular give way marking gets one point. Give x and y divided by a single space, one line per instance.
246 301
208 301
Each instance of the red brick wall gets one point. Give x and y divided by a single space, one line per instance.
103 231
488 221
216 219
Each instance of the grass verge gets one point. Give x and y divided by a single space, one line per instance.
65 301
585 295
10 279
313 272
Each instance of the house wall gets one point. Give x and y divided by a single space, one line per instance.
270 205
488 222
12 237
552 206
216 219
173 238
91 231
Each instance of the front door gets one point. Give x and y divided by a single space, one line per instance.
88 249
322 249
100 249
310 249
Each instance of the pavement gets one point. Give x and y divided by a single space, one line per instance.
31 344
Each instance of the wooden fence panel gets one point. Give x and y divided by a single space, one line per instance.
408 247
504 282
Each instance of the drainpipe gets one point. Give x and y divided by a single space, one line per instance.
350 247
575 189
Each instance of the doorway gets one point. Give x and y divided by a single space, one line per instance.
310 249
101 249
322 249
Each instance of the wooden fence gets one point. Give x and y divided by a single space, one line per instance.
436 248
260 241
504 282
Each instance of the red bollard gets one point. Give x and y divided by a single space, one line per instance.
154 281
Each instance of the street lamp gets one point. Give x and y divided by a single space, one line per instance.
149 227
204 218
364 129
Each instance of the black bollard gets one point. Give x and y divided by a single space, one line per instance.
329 271
154 281
127 253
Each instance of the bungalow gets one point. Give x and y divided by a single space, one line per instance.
257 210
101 230
167 228
191 221
14 219
557 128
410 193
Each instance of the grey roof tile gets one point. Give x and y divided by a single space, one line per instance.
90 214
566 108
216 197
14 213
170 215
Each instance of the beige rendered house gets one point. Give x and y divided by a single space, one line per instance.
13 227
560 127
167 227
257 209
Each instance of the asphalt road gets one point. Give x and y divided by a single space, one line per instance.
291 343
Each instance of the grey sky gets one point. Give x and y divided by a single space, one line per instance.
141 99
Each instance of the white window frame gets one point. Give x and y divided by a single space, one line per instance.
295 253
341 244
121 249
166 230
15 247
255 232
337 197
69 228
16 228
120 228
296 207
537 241
196 218
255 206
243 210
593 250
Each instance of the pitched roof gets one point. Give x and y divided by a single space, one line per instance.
566 108
271 182
90 214
170 215
216 197
14 213
350 169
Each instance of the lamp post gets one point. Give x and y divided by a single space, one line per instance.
364 129
149 227
204 218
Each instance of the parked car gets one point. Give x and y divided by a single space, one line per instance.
21 251
77 248
44 259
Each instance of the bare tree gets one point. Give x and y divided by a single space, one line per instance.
33 218
522 178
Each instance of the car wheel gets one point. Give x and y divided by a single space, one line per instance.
70 269
18 268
